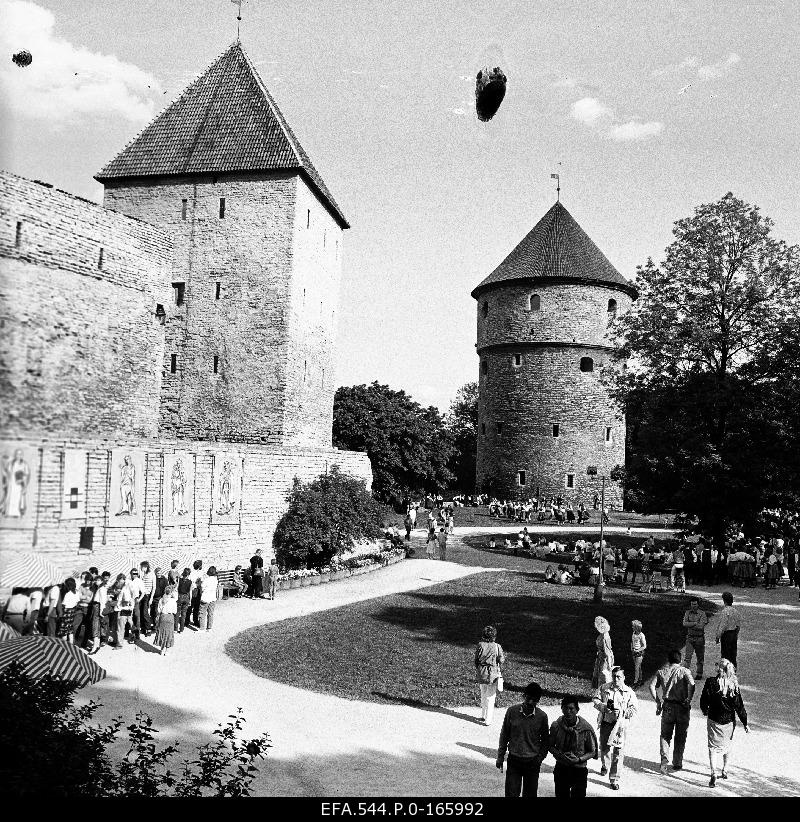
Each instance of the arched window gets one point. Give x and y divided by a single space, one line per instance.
535 302
587 364
612 310
485 309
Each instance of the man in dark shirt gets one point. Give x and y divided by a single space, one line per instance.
257 574
525 735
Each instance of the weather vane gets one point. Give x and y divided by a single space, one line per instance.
238 4
557 178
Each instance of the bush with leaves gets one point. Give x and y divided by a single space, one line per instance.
48 747
323 520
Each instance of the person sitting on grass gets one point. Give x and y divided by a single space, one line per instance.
564 576
550 574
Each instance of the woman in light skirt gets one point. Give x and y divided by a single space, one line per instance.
721 702
165 630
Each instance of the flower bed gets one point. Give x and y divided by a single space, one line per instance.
362 559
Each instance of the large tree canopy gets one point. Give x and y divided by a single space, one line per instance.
705 433
462 422
409 446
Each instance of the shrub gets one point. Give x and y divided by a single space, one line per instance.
48 748
324 518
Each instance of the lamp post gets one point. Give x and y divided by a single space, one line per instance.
598 588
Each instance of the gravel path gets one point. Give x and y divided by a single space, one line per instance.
328 746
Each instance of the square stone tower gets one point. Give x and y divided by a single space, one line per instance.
250 331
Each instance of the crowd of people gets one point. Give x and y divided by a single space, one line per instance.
526 740
557 509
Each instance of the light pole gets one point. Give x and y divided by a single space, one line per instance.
598 588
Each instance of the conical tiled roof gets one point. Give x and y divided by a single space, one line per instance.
226 120
557 248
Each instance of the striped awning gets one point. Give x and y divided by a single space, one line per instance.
42 655
7 632
28 570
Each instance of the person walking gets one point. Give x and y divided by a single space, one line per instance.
721 702
604 660
184 599
631 565
209 593
695 621
573 742
165 625
728 627
638 647
273 572
408 526
525 736
616 704
489 658
673 689
257 575
442 540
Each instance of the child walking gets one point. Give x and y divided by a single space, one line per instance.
638 647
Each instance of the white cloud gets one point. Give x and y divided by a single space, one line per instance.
714 70
635 130
460 112
66 82
590 110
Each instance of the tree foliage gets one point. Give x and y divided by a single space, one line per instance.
49 748
704 433
324 518
462 423
409 446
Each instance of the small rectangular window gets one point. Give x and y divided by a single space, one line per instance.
216 364
217 289
18 235
180 292
100 258
184 204
483 428
521 478
609 435
556 430
173 363
569 482
500 429
222 208
73 498
517 359
86 542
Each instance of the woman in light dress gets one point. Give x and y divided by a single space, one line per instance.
165 630
489 657
604 661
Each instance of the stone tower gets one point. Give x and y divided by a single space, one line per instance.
544 416
249 342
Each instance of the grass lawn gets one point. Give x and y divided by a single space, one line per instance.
417 647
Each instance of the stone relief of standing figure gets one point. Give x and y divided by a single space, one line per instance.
225 503
127 487
16 476
178 488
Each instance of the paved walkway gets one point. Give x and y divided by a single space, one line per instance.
329 746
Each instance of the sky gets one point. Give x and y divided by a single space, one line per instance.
646 110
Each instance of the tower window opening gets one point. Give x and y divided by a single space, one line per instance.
521 478
612 309
609 434
485 309
173 363
86 540
556 430
305 369
180 293
484 367
535 302
222 208
216 364
587 364
161 315
100 258
18 235
569 481
308 218
217 289
184 206
483 428
517 359
500 427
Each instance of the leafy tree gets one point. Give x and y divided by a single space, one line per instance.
323 519
409 446
462 422
698 426
49 748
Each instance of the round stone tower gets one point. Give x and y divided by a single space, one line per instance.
544 416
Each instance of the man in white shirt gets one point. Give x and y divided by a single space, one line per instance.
728 629
50 604
16 611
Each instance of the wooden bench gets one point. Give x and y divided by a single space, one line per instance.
227 585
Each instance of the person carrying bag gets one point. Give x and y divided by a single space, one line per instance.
489 657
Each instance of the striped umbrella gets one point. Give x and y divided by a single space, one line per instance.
7 632
28 570
44 655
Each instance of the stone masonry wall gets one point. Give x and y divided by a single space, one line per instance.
79 287
248 251
530 379
268 475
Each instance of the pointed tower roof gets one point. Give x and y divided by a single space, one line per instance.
226 120
557 248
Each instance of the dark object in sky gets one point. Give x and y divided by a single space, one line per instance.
490 89
22 58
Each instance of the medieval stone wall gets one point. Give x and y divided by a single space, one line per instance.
79 287
530 380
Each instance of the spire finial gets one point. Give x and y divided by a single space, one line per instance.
557 178
238 4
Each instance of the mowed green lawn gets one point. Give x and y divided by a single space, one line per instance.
417 647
